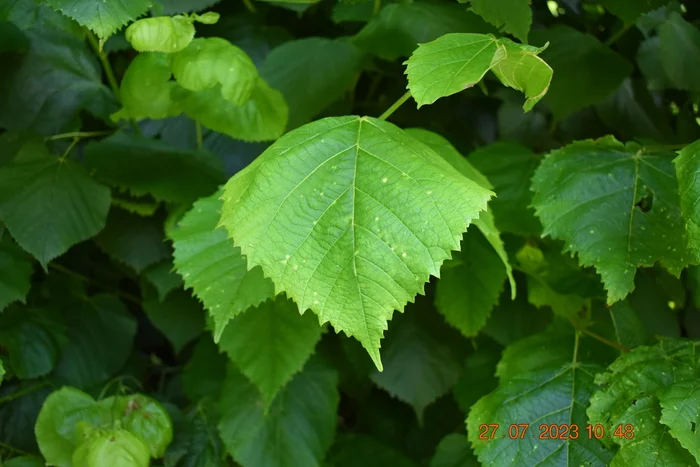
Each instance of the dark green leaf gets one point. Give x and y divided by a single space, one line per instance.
298 428
145 166
454 451
630 10
687 168
179 317
15 272
511 16
357 449
104 16
680 52
50 204
163 278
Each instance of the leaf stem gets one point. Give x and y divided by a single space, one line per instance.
377 7
11 448
618 34
600 338
23 392
395 106
198 130
67 151
106 66
78 134
249 5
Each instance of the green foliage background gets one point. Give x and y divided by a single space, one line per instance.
495 201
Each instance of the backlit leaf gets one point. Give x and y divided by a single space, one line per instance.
522 69
374 216
50 204
215 269
635 191
167 34
450 64
270 343
209 62
104 17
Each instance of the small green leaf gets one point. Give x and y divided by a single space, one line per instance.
680 52
687 167
163 277
209 62
454 450
450 64
15 272
143 417
133 240
399 27
270 343
358 195
56 431
146 166
104 17
510 168
116 448
167 34
587 71
470 285
312 74
635 191
50 204
179 317
262 118
523 70
420 363
146 89
511 16
213 267
297 430
210 17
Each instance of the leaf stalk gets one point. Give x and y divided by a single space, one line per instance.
395 106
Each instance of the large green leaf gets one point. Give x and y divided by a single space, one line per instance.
213 267
399 27
262 118
270 343
420 362
33 339
511 16
586 71
104 16
680 52
15 272
470 285
510 168
523 70
650 392
312 73
209 62
133 240
551 389
44 89
634 190
48 203
101 333
350 218
146 166
450 64
630 10
687 169
297 430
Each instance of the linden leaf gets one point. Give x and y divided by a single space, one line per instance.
204 63
215 269
524 71
350 217
451 63
635 192
687 169
167 34
103 16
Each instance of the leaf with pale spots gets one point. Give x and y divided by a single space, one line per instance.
615 205
688 170
650 393
215 269
350 217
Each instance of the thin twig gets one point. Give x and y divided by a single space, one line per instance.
78 134
23 392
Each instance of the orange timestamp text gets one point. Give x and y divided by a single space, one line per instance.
492 431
